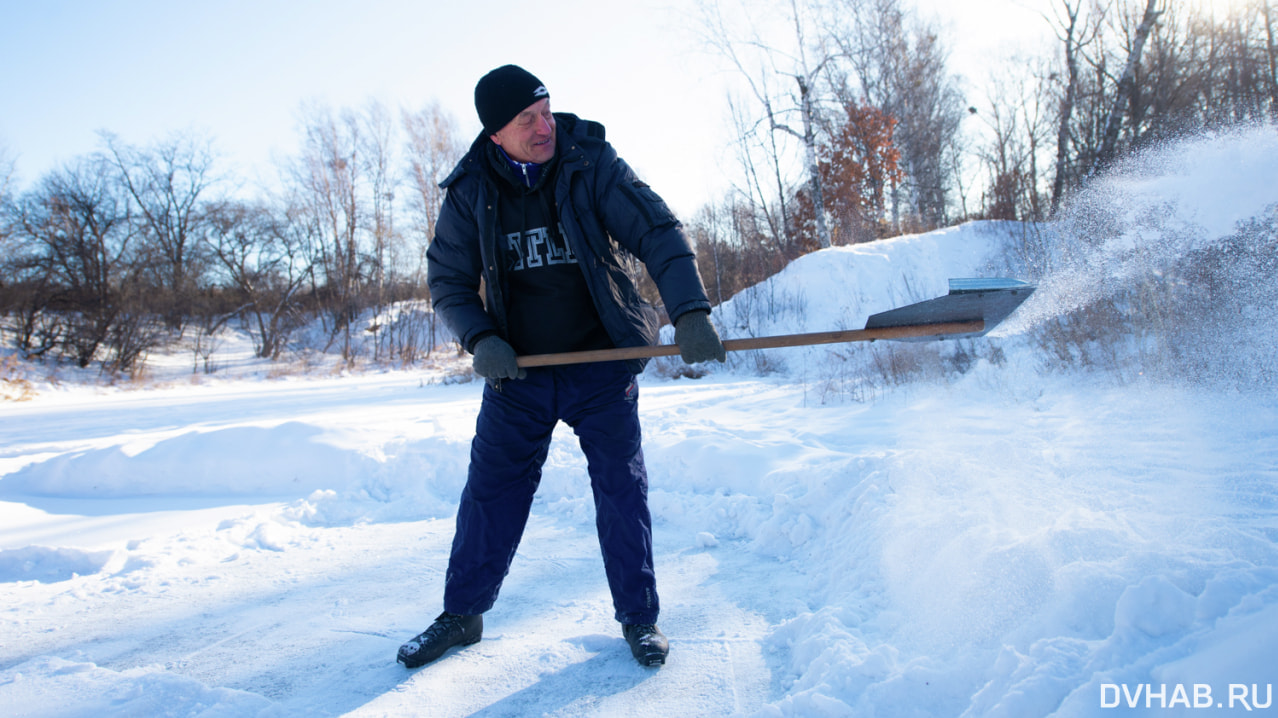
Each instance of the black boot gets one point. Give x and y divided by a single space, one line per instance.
647 643
447 631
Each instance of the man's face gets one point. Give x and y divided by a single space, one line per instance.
530 137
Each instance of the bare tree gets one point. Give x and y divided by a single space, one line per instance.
378 156
1123 95
752 143
1073 36
734 250
709 237
26 287
327 180
78 233
805 78
7 172
167 183
433 149
264 255
758 61
1018 127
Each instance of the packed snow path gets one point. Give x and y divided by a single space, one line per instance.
1000 546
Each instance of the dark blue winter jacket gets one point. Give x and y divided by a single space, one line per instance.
609 217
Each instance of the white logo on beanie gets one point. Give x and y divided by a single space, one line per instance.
541 91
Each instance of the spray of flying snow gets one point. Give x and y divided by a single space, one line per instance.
1174 251
1148 214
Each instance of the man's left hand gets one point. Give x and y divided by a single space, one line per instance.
697 339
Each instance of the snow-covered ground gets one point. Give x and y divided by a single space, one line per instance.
1010 540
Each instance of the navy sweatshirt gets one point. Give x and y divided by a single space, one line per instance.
547 300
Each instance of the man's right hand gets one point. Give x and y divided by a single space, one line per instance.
495 359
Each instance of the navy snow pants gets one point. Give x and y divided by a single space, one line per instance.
512 439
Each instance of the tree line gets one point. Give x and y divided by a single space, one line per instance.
848 125
851 125
132 247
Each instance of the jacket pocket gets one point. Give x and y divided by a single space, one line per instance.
647 203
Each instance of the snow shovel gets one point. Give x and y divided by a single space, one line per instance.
971 309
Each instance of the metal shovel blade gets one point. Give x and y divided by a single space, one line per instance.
989 300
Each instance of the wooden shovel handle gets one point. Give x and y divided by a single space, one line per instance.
914 331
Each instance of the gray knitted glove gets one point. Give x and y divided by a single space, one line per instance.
697 338
495 359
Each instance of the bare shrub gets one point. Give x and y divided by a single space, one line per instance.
14 385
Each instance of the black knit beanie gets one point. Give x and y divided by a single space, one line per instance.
504 93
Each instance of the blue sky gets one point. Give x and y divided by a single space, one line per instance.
240 70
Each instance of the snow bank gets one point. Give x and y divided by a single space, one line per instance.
49 565
57 688
284 460
839 289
